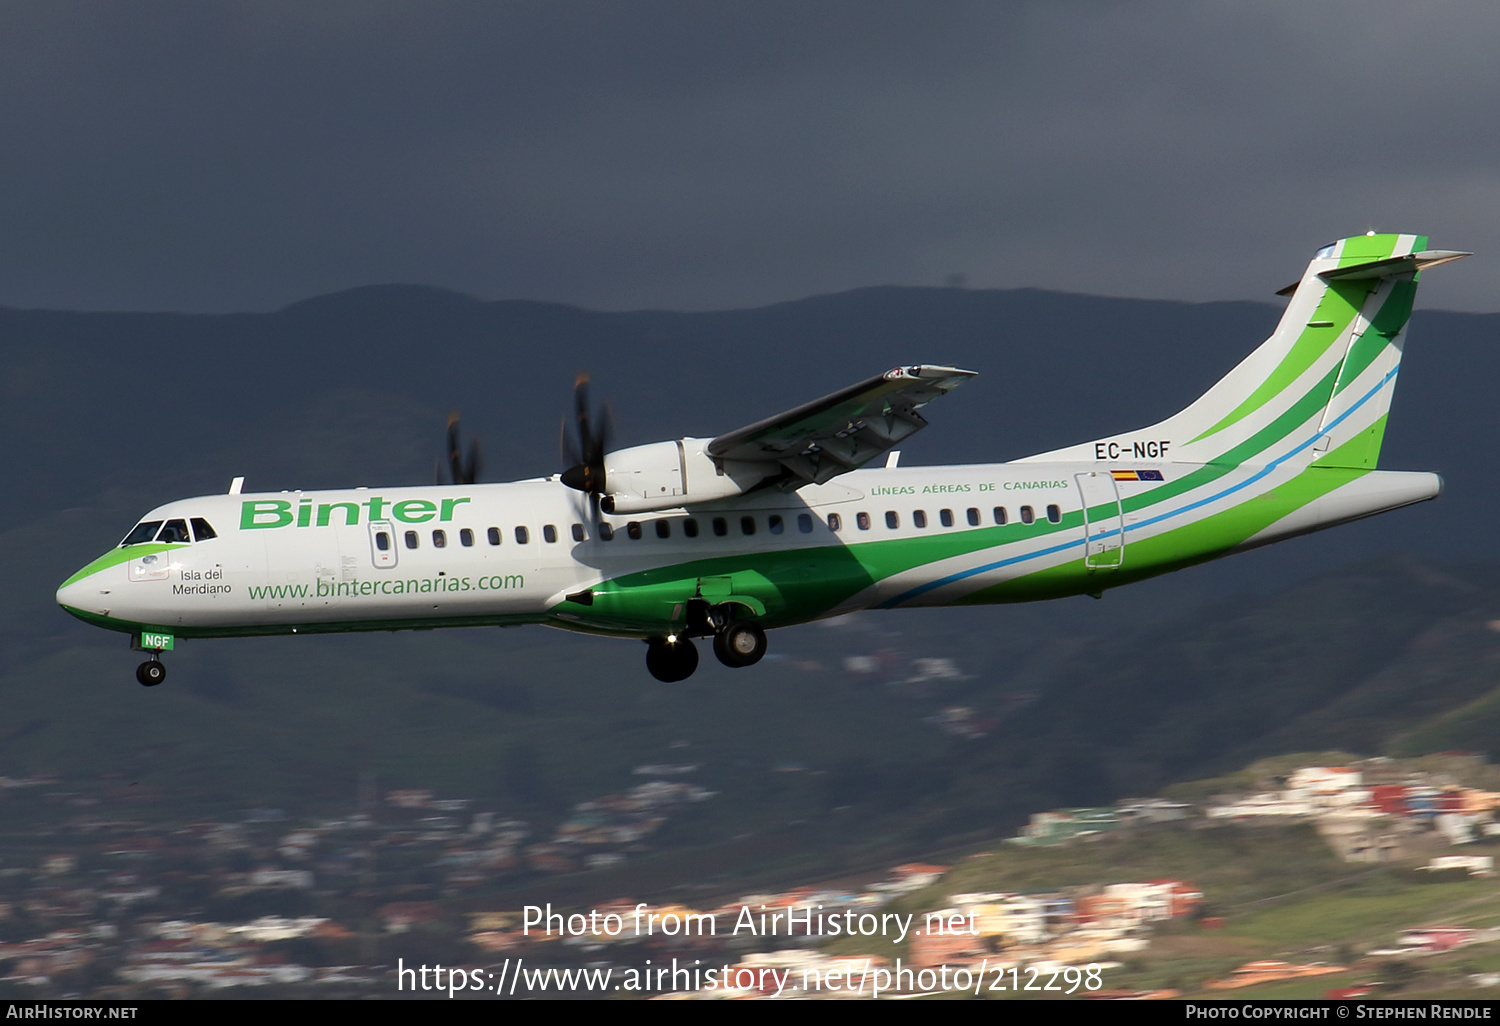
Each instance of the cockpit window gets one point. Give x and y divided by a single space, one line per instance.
201 530
173 531
144 532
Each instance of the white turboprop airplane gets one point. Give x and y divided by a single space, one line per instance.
776 523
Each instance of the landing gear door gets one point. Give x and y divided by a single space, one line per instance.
382 544
1104 546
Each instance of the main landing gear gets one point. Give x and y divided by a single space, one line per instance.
736 642
151 673
740 643
672 658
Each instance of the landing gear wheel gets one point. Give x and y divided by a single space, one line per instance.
151 673
671 661
741 643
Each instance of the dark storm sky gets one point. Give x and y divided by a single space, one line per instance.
698 155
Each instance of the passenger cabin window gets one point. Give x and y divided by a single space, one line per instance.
664 528
466 538
721 526
1000 516
522 536
606 532
919 518
774 525
747 525
201 530
862 521
945 517
804 523
439 539
1027 515
174 531
690 527
973 517
633 530
493 534
1054 514
411 539
142 532
835 522
578 534
382 541
549 533
892 519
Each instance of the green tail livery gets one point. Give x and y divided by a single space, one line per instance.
793 518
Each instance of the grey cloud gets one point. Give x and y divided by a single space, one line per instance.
699 155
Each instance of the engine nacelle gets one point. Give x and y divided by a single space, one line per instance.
663 475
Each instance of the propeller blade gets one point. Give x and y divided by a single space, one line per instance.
455 460
585 449
471 468
581 409
463 472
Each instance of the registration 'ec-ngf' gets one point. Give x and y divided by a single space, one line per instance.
795 518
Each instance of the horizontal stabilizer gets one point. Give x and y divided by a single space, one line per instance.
1385 268
1394 265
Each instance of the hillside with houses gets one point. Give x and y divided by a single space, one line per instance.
1265 890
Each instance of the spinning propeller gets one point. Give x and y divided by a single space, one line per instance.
465 472
584 449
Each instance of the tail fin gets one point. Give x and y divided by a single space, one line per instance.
1320 387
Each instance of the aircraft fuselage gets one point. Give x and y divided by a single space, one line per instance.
506 554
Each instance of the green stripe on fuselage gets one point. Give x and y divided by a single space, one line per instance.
114 557
792 586
312 627
1214 535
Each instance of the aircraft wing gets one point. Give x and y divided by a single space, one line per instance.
843 431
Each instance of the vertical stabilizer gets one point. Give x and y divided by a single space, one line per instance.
1319 388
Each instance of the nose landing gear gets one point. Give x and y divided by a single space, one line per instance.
151 673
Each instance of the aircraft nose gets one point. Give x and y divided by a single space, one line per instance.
71 593
87 591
